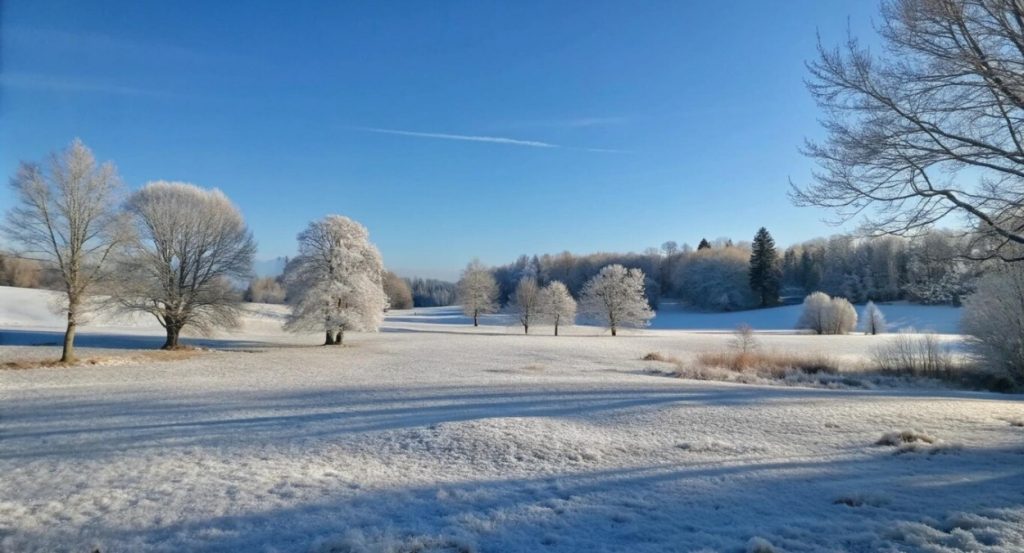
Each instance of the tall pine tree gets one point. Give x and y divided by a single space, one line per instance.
765 274
704 244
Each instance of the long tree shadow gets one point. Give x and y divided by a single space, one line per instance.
110 340
870 502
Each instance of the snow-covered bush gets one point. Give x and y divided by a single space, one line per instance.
335 283
874 320
825 315
557 305
994 316
526 302
477 291
615 298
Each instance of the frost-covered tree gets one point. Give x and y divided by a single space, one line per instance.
526 302
190 246
874 320
765 273
477 291
65 211
336 282
615 298
825 315
994 316
557 305
398 291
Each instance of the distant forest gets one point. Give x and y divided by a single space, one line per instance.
715 276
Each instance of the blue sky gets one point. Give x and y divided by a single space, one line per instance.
450 129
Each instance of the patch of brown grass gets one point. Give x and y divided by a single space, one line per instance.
769 363
657 356
134 357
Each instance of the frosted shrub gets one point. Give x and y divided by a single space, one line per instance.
994 316
874 320
825 315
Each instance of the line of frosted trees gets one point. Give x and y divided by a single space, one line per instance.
176 251
614 298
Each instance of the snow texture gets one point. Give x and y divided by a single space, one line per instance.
436 436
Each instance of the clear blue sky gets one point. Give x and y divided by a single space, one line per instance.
519 127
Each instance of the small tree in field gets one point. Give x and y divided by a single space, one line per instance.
557 304
615 298
874 320
477 291
526 302
190 245
335 283
66 212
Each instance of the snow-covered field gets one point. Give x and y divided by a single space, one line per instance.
435 436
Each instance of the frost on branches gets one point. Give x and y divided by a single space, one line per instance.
615 298
336 282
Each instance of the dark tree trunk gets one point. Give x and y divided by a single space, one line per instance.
339 337
526 328
68 354
613 331
556 324
173 331
475 315
330 339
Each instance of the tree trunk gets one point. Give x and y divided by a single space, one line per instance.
330 339
526 328
68 355
340 336
613 330
556 324
475 323
173 330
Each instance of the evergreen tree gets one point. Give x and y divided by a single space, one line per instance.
765 275
704 244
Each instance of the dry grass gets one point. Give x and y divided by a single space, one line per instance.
768 363
905 437
179 354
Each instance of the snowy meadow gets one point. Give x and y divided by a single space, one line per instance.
433 435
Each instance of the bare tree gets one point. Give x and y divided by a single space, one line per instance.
931 129
66 213
398 291
335 283
615 298
477 291
557 305
190 246
526 301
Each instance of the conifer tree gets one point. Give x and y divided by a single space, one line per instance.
704 244
765 275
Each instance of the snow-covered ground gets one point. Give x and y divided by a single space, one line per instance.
435 436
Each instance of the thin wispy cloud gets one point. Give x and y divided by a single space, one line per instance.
481 138
575 122
55 83
464 137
